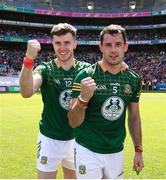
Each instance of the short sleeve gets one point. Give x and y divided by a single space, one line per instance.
136 90
41 69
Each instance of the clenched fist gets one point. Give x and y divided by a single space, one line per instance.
88 87
33 48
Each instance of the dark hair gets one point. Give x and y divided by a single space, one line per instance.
62 29
113 29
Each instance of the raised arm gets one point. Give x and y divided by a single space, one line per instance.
134 123
30 83
78 105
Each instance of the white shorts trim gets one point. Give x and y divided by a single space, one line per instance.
91 165
52 152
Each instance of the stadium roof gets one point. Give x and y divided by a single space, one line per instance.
100 6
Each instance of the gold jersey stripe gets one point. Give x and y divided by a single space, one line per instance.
77 84
76 89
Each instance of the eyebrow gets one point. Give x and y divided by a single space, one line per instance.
62 42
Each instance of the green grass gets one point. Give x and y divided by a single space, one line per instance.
19 128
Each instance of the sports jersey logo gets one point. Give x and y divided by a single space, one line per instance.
101 87
112 108
57 81
82 169
43 160
127 89
64 98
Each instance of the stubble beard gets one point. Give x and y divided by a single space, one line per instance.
113 63
70 57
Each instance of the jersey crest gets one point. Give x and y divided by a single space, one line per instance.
112 108
82 169
64 98
127 89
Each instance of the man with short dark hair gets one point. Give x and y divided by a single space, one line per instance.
101 94
54 78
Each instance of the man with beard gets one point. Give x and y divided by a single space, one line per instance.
101 94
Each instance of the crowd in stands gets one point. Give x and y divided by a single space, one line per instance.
150 65
24 33
131 35
148 34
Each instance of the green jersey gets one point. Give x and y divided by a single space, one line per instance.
103 130
56 91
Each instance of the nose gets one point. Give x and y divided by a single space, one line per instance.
62 47
113 48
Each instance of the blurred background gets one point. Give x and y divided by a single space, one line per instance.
144 20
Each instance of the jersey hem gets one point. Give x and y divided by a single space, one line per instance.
99 150
56 137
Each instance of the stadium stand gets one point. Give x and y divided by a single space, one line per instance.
93 35
104 6
159 5
146 35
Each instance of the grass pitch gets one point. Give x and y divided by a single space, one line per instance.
19 129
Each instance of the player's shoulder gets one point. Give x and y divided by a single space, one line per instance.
91 69
95 68
43 66
132 74
84 71
81 64
48 63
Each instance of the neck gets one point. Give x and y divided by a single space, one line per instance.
66 65
114 69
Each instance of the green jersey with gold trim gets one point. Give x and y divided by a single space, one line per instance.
56 91
103 130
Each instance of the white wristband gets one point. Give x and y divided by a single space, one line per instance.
82 99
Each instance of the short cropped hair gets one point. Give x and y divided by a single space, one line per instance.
62 29
113 29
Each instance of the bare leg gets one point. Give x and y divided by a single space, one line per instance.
69 174
46 175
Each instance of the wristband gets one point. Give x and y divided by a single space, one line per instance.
138 148
80 98
82 103
28 62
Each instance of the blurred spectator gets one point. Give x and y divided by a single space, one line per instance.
150 65
93 35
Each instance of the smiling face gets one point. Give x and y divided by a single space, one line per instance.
113 48
64 46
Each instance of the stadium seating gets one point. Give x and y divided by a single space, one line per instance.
104 6
149 62
150 65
